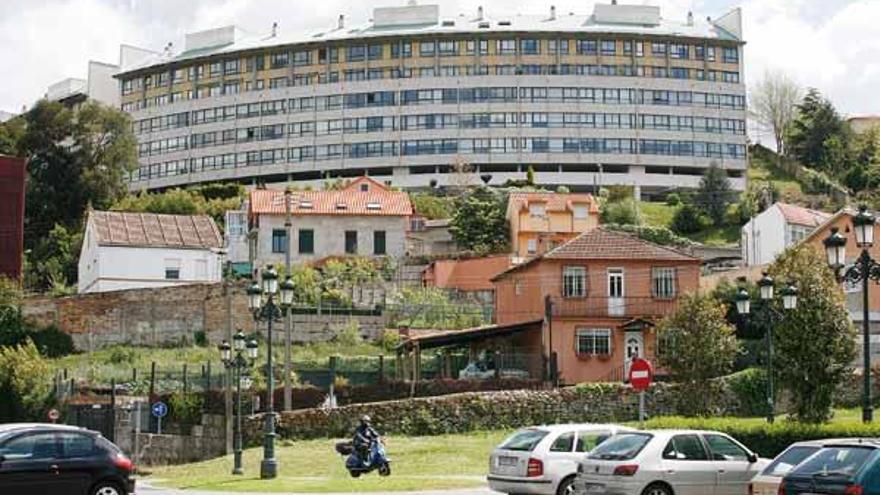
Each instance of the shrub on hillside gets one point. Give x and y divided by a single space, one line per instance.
688 220
624 212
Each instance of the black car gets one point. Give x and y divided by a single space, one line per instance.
48 459
845 467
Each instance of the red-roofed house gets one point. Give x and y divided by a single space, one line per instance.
142 250
365 218
607 290
781 225
540 221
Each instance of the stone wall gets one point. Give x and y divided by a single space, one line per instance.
172 315
205 441
592 403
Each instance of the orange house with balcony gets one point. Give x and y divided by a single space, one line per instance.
540 221
606 292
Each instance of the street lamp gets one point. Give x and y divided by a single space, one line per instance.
863 270
766 289
238 363
269 311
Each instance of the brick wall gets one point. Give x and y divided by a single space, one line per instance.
171 315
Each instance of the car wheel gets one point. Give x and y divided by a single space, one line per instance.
657 489
107 488
354 474
566 487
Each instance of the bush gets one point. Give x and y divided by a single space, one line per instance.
657 235
25 383
624 212
389 340
765 439
52 342
750 388
673 199
186 408
688 220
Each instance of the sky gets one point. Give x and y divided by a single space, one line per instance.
833 45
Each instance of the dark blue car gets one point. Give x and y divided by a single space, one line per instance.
850 467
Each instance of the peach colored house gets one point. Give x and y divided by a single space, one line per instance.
540 221
842 220
606 290
468 276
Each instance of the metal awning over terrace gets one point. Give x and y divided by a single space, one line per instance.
468 336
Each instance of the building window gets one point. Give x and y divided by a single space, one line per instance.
279 241
574 281
172 269
401 49
379 242
351 242
355 53
558 47
306 241
530 47
593 341
580 212
518 287
663 282
609 47
426 48
532 246
730 55
447 48
537 209
505 47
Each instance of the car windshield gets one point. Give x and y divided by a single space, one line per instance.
789 459
844 461
621 447
524 440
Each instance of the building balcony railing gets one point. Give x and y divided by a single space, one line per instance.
604 307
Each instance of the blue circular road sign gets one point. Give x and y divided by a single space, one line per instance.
159 409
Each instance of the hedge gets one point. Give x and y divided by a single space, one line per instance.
766 439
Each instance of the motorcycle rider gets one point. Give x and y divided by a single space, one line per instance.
364 436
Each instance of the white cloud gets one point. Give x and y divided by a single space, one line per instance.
834 46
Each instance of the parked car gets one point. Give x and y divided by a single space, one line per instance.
848 467
669 462
544 459
479 371
48 459
767 481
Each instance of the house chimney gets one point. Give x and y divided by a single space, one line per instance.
274 29
480 13
341 21
690 18
552 12
613 2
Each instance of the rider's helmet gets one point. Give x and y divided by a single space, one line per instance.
365 420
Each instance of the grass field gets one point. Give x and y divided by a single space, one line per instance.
660 215
418 463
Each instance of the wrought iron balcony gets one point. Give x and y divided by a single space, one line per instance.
604 307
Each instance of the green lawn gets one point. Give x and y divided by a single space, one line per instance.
656 214
418 463
759 170
660 215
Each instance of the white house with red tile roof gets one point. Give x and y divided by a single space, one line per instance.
123 250
366 218
781 225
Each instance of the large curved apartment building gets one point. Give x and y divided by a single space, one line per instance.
620 96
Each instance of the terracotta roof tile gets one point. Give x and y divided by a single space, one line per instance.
554 201
802 216
377 200
114 228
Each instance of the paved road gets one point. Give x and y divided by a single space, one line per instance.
145 489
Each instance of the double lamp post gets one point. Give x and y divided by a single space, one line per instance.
238 364
767 287
864 269
263 304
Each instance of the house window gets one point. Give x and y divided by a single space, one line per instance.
537 209
580 212
663 282
532 246
574 281
306 241
518 287
351 242
593 341
379 242
279 241
172 269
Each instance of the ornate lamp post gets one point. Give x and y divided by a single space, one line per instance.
863 270
269 311
238 363
766 287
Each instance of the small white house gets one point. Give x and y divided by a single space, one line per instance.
781 225
143 250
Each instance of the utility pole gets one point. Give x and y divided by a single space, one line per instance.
288 319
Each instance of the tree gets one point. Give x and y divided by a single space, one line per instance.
211 199
25 383
815 344
773 101
714 194
430 206
688 220
816 122
530 176
623 212
479 221
698 344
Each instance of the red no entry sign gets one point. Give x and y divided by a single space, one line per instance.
640 374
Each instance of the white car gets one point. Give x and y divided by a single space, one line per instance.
669 462
473 371
767 481
543 459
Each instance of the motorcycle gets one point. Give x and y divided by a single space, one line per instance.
356 466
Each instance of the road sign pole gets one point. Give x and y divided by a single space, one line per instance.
159 425
642 410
